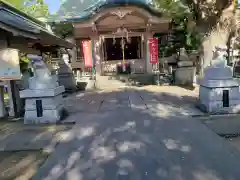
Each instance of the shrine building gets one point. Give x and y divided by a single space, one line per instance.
113 35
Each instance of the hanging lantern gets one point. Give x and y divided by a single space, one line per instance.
114 40
129 40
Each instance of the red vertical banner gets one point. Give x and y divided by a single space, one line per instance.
87 51
153 50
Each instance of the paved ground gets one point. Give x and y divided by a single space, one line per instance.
24 148
20 165
137 134
234 141
15 136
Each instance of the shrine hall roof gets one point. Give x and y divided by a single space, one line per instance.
79 10
20 24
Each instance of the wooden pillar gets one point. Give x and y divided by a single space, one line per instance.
96 53
148 35
13 90
3 44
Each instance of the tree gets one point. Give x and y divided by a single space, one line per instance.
214 20
35 8
63 29
184 33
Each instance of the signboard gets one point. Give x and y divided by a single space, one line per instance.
153 50
87 51
9 64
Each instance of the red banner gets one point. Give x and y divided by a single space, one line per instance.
87 51
153 50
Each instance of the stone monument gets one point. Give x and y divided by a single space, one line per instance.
65 74
185 72
219 91
43 99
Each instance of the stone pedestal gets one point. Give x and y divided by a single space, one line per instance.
185 75
219 91
43 99
43 105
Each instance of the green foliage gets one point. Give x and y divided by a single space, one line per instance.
24 63
63 29
35 8
184 33
193 41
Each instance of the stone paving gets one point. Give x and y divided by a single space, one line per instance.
138 134
15 136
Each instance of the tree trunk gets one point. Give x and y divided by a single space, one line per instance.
217 36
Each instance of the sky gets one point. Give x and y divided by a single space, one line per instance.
53 5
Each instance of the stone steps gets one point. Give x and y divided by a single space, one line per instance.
123 80
107 82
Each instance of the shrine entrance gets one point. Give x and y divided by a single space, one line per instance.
122 50
131 49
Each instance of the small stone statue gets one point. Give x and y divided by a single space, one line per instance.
218 68
42 75
219 56
183 55
40 68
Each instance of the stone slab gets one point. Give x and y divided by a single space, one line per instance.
28 93
219 83
224 125
19 137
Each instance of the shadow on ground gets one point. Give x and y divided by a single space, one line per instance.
20 164
24 148
15 136
139 134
